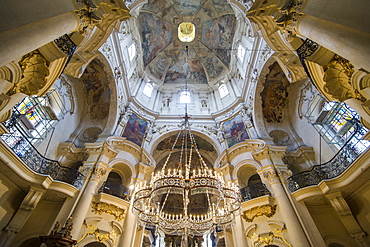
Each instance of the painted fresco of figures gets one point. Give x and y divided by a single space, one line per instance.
135 129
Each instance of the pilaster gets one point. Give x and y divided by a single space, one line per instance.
344 212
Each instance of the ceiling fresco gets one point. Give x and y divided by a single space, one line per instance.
165 56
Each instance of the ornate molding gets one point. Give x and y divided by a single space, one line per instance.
35 69
100 235
98 173
264 210
103 207
338 79
289 16
274 234
271 176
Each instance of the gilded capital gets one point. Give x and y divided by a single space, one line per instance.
98 173
271 176
288 17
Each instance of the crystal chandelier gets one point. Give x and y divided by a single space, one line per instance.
186 197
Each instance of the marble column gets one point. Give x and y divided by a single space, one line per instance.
24 39
296 234
98 174
349 43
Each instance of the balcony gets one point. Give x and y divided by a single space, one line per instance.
115 189
253 191
347 155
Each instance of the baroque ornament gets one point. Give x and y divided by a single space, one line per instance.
100 235
269 240
264 210
102 207
34 72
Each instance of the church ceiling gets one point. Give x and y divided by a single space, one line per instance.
165 56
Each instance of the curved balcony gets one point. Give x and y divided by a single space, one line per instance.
253 191
333 168
115 189
40 164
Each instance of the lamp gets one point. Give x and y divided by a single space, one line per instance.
170 202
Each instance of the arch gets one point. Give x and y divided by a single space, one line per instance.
336 241
246 168
31 242
124 169
161 137
254 179
95 244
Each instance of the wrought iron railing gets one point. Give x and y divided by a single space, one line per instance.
253 191
40 164
115 189
352 149
17 140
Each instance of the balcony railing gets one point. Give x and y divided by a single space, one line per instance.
353 148
115 189
39 164
253 191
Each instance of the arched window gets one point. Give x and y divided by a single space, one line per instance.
254 179
148 89
132 51
185 97
223 90
241 52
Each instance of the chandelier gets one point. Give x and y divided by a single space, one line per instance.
186 196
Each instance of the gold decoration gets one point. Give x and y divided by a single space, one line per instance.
338 79
34 72
289 16
275 234
102 207
265 210
100 235
88 18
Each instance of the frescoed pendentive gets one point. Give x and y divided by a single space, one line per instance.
217 35
156 35
235 131
274 95
135 129
97 95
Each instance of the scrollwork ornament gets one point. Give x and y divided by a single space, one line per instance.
98 173
87 16
271 177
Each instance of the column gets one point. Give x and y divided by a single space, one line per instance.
229 240
25 210
98 174
338 12
295 231
238 232
349 43
24 39
271 158
129 229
